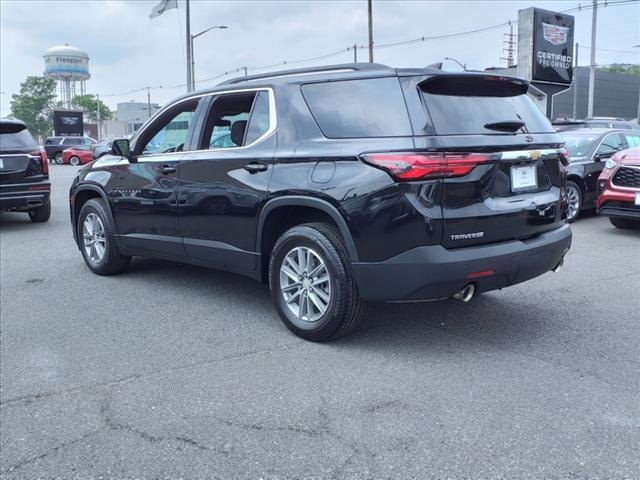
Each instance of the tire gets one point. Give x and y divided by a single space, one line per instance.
41 214
575 198
111 261
624 223
323 251
75 161
58 158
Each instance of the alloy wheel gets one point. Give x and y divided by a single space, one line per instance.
75 161
305 284
95 242
573 196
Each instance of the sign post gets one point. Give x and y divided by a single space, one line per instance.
545 51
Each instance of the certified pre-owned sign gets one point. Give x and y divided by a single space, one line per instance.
552 47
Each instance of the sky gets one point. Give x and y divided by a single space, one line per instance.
129 51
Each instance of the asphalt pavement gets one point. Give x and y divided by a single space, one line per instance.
176 371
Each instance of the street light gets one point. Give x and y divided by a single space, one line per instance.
463 65
193 73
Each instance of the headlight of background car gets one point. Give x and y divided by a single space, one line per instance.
611 163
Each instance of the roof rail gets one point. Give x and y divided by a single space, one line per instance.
309 70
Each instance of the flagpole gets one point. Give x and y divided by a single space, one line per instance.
189 78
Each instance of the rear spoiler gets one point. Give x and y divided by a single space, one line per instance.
474 85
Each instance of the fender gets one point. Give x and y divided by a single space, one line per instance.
301 201
94 188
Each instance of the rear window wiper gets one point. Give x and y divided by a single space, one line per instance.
506 126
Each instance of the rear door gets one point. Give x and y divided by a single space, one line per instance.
225 180
20 159
504 179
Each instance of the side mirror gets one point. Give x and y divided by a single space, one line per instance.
120 147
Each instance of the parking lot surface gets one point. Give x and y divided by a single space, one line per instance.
171 370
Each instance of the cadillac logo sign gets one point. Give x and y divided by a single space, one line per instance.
555 34
545 46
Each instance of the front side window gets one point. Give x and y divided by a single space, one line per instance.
236 120
72 141
169 133
632 140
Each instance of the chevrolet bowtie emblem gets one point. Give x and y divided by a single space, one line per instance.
535 155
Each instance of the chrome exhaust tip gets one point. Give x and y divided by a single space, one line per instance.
466 293
558 267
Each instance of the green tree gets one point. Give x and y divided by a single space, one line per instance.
34 104
89 104
628 68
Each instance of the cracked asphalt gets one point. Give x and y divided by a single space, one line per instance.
175 371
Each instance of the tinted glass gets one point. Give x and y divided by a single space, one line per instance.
73 141
52 141
259 121
468 115
15 136
359 108
580 145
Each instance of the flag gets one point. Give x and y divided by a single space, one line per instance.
162 7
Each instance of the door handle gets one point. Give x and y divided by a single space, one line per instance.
167 169
255 167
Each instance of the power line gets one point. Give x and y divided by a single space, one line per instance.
423 38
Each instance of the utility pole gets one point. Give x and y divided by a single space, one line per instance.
592 66
355 53
98 114
370 11
149 100
510 44
189 76
575 83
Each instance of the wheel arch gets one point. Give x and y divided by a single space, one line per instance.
83 194
282 213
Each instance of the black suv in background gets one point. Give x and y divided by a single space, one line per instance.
54 146
24 172
338 185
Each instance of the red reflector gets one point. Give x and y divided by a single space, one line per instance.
483 273
413 166
39 187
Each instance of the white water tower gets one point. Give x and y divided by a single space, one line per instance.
70 67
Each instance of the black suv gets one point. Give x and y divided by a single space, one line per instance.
24 172
54 146
339 185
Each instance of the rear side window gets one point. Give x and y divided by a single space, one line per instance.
632 140
15 137
466 107
359 108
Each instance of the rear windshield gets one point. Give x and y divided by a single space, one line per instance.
579 145
359 108
464 112
14 136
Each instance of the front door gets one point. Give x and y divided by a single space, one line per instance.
224 182
144 190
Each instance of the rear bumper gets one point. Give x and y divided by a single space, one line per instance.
431 272
24 196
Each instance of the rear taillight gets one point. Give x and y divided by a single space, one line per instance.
564 156
43 160
414 166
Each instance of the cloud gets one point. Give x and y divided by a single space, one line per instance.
129 51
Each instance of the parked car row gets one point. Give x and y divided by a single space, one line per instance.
589 150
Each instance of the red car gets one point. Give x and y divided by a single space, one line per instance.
78 155
619 186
